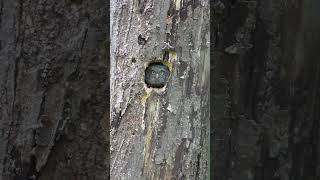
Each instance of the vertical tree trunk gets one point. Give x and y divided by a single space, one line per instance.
53 91
265 103
160 134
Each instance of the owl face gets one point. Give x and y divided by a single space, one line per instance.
156 75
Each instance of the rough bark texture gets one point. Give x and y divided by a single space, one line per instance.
160 134
265 93
53 90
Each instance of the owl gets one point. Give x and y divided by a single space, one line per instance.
156 75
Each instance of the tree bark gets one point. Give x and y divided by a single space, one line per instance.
160 133
265 94
53 92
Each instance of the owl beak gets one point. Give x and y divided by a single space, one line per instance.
157 75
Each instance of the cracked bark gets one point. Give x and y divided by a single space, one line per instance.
160 134
54 95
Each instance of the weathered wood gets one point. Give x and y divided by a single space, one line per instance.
159 134
53 90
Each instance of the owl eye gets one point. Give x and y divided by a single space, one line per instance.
153 72
161 73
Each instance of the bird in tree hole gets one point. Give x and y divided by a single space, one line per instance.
156 75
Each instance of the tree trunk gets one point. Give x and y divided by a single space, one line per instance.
265 101
159 133
53 90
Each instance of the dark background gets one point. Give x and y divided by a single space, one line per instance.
265 90
54 90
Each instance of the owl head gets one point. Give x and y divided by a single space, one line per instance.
156 75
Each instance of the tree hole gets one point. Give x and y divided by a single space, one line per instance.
156 75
